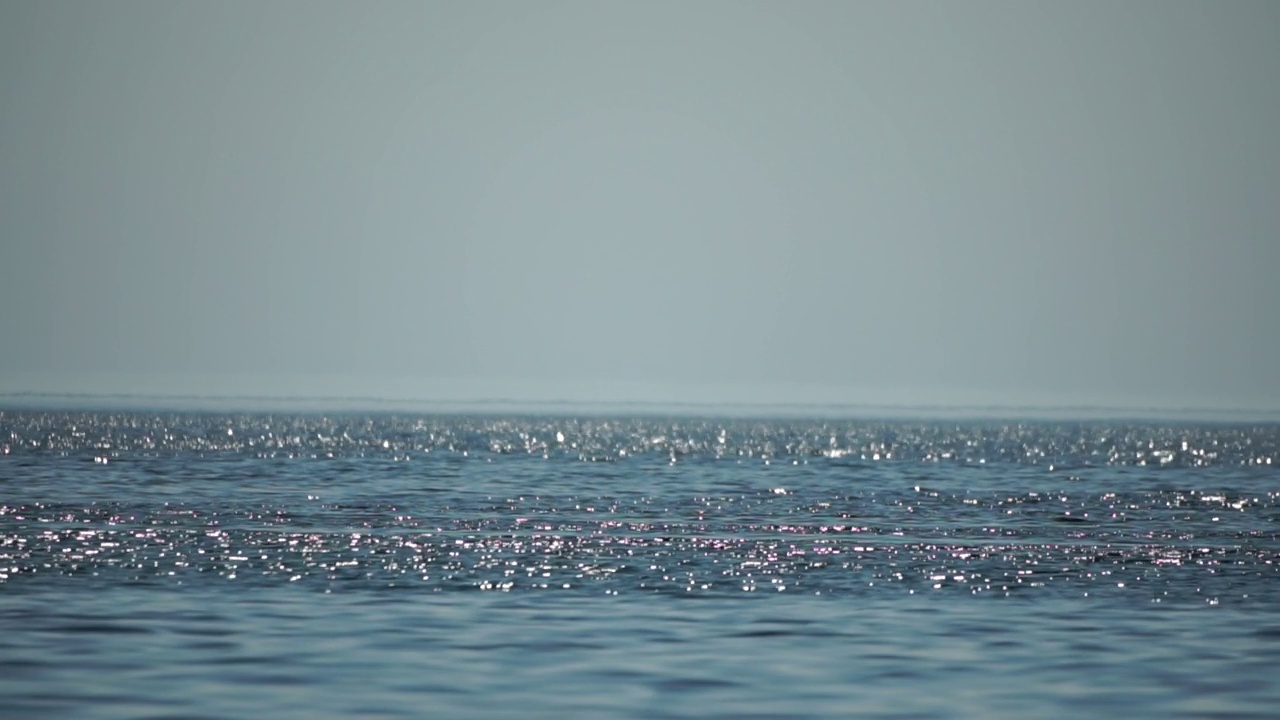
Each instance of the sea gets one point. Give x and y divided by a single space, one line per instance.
165 564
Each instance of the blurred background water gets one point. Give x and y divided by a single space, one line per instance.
280 565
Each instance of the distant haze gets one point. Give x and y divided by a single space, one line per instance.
1049 203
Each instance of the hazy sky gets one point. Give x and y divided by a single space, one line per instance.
915 202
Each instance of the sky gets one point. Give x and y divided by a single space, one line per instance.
914 203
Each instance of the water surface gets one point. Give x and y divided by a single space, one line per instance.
225 565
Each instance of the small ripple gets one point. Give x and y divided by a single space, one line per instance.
692 684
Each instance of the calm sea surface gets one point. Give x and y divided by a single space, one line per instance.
380 566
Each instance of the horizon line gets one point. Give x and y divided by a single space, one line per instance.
261 402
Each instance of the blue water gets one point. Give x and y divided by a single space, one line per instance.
377 566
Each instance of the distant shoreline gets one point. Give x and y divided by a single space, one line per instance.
141 402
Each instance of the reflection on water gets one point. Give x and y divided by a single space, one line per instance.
232 566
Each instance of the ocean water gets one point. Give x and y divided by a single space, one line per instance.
200 565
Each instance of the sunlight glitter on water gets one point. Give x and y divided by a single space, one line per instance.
978 528
492 555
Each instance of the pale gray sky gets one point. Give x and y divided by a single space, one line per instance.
913 202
